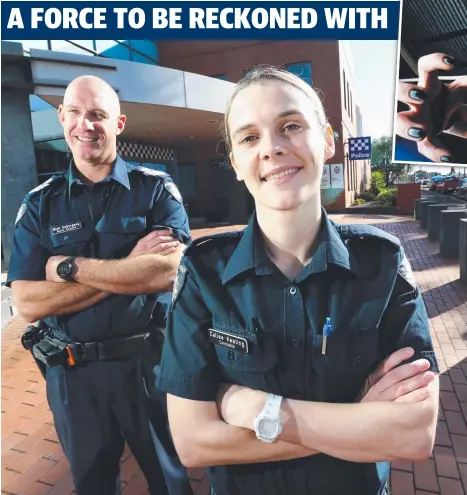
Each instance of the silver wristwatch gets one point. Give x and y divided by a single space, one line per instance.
268 425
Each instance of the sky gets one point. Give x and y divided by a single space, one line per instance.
375 65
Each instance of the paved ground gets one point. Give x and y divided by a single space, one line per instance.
33 462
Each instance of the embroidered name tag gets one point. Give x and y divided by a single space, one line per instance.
67 228
229 340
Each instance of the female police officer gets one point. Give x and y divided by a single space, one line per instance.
295 313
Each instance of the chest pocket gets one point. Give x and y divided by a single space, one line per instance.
250 369
351 355
72 243
119 234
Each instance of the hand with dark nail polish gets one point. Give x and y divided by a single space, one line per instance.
435 107
416 132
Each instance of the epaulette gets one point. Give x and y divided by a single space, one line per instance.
45 184
212 241
148 171
356 231
167 180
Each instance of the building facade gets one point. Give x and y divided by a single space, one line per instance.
326 65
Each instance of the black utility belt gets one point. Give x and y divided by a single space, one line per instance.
52 351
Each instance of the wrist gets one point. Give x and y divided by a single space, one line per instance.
78 269
257 400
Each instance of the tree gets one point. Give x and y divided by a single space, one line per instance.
381 154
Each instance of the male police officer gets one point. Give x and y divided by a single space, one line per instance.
93 250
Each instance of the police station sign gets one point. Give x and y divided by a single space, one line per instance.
360 148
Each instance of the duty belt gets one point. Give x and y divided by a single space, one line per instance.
52 351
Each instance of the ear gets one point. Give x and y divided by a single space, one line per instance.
235 167
121 122
329 144
61 115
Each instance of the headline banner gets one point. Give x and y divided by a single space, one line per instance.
345 20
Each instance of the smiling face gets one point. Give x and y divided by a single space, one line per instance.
91 120
278 145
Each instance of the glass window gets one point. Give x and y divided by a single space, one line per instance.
302 70
64 46
145 47
36 104
187 181
115 50
51 162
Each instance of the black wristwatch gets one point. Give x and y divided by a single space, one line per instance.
65 269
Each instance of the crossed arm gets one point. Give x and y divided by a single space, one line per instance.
396 419
158 254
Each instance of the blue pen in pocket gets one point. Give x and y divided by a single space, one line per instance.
326 331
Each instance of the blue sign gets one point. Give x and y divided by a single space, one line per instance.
337 20
360 148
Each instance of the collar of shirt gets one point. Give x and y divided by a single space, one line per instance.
119 174
251 253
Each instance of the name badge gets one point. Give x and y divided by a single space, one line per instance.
229 340
70 227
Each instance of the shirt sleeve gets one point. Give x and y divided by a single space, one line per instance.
169 211
189 367
405 322
28 256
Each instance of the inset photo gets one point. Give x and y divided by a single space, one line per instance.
430 120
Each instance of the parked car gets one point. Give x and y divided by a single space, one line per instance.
462 188
447 185
426 182
434 181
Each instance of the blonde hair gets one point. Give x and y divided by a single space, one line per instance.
263 74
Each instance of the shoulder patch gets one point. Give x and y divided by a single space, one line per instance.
366 231
22 210
406 272
173 190
179 282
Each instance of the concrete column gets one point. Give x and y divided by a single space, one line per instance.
434 218
424 213
449 232
417 206
463 250
19 173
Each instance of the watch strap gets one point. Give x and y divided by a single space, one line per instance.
272 408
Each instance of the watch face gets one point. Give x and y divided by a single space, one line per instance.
267 427
64 269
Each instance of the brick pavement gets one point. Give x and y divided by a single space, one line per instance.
33 462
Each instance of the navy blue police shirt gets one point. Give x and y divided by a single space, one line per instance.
64 217
227 286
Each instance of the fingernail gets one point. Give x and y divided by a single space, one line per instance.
417 94
449 60
416 132
446 158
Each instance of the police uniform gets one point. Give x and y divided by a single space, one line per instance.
228 291
94 404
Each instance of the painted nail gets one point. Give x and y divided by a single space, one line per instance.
416 132
446 158
417 94
449 60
